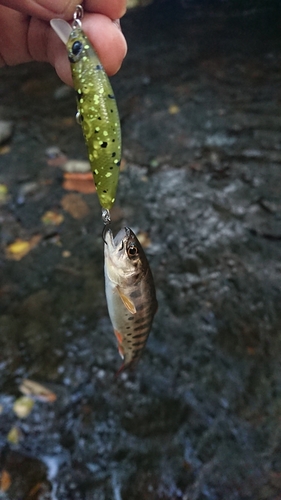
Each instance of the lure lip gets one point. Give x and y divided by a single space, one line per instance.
62 29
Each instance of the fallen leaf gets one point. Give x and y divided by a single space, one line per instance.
14 435
77 181
37 391
4 196
34 491
75 205
144 239
173 109
5 480
23 406
52 218
66 254
5 149
19 248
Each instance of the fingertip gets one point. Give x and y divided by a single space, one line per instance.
113 9
62 68
57 56
107 40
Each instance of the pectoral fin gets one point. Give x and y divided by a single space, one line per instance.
126 301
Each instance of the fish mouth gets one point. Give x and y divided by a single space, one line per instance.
114 242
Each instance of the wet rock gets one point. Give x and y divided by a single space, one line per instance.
37 305
27 476
77 166
199 99
62 92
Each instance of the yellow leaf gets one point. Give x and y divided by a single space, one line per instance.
52 218
14 435
23 406
20 248
173 109
3 194
66 254
144 239
37 391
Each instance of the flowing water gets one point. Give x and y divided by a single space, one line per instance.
199 97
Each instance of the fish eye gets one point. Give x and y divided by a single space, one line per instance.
77 48
132 250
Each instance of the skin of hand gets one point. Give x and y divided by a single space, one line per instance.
26 34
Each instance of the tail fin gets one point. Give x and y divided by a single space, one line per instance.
127 366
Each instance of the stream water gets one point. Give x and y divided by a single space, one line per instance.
199 96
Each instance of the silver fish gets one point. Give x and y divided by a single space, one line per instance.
130 293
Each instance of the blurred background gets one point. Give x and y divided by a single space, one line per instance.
199 98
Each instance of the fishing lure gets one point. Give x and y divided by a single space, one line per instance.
97 108
130 293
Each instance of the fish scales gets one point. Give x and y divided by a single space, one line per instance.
97 114
130 293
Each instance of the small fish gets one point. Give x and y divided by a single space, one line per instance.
130 293
97 110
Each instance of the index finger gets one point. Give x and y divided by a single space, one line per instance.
113 9
47 9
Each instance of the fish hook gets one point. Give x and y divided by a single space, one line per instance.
106 220
103 234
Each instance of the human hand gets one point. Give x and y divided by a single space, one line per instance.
26 35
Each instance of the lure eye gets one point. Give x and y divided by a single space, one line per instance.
75 51
77 48
132 250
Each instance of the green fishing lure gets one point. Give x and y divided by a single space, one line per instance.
97 111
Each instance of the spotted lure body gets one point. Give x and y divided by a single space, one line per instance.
130 293
97 110
98 115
